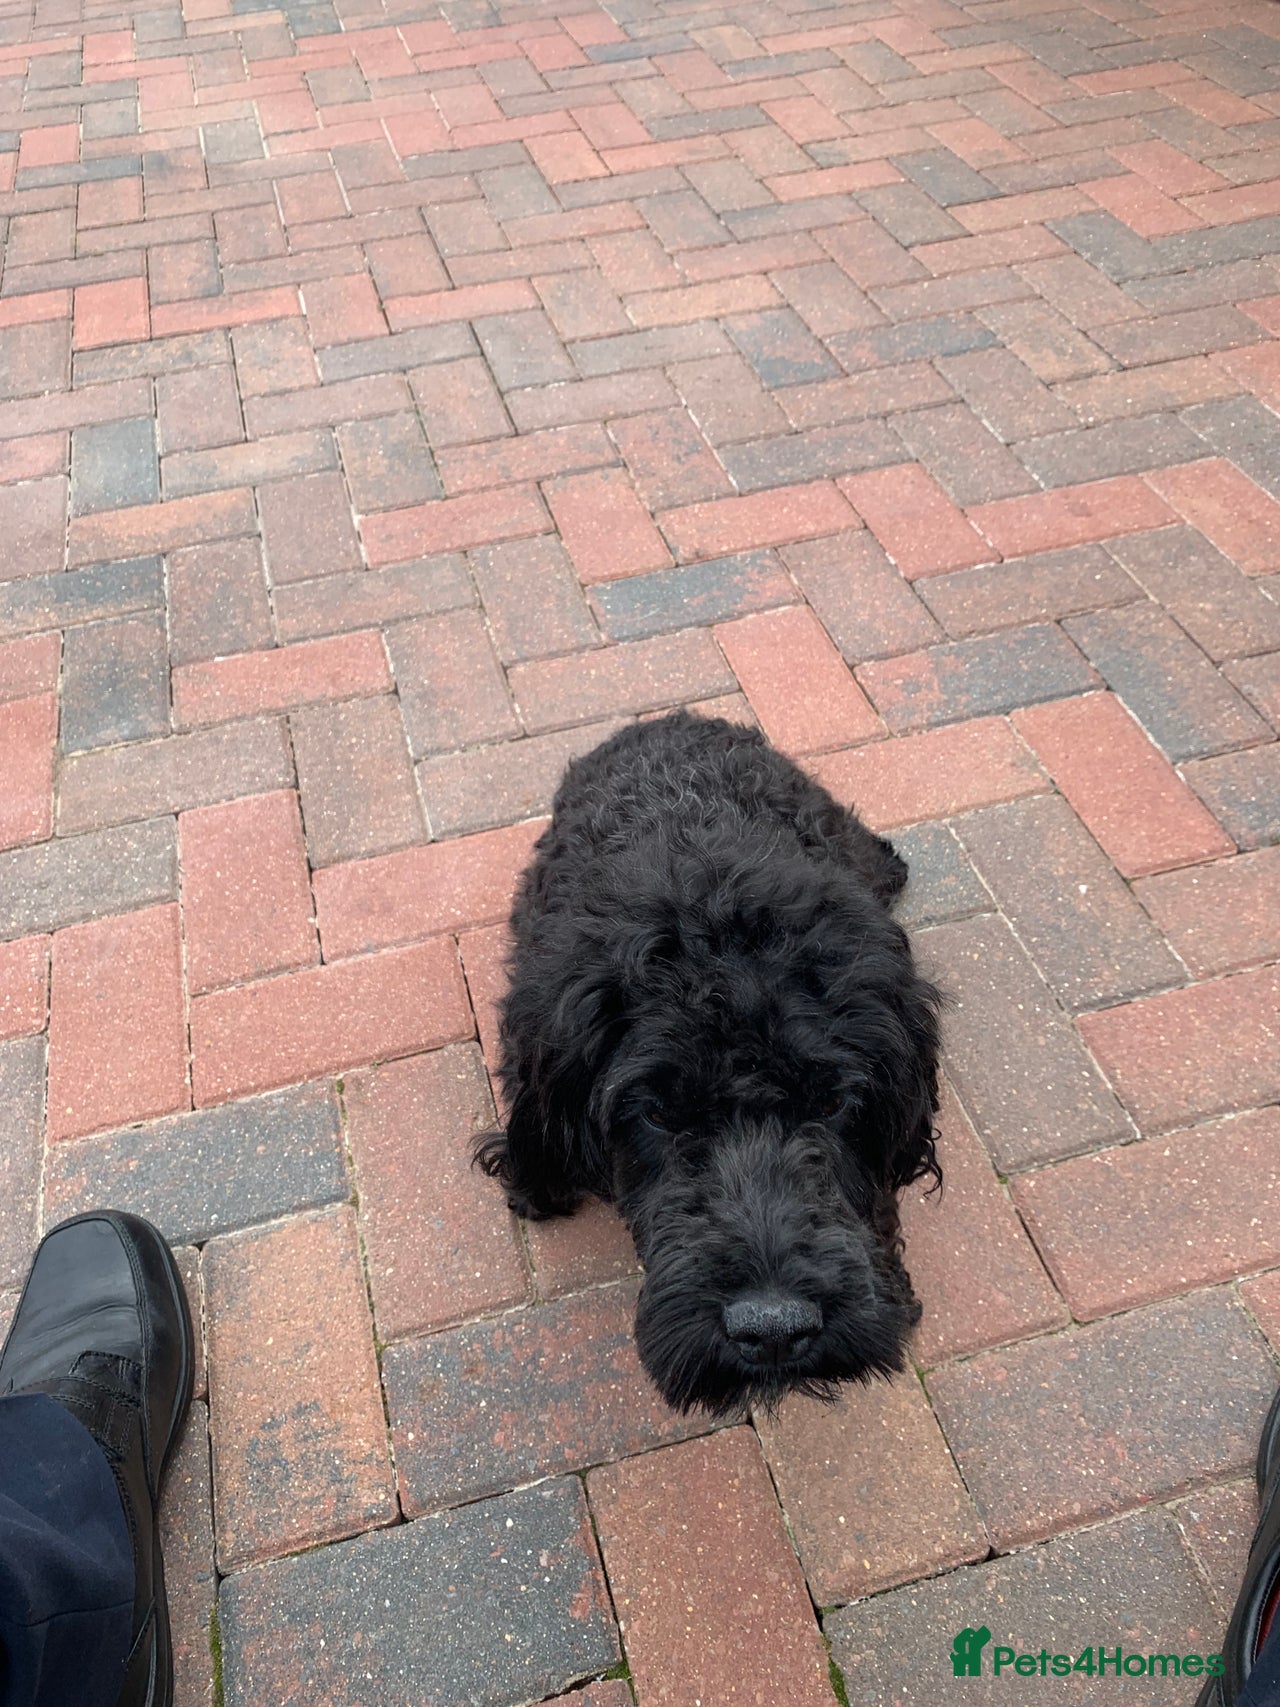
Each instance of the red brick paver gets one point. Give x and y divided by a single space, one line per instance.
397 399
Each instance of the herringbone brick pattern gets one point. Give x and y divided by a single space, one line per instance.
395 398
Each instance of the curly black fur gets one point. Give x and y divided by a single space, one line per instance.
714 1023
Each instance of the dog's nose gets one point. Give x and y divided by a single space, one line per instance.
769 1328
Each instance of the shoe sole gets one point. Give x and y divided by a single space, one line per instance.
163 1669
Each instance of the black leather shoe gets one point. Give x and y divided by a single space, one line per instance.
103 1327
1261 1576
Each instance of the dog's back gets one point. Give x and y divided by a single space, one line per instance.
684 776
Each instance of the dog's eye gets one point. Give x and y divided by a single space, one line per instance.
657 1115
830 1106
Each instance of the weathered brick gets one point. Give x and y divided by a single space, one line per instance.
668 459
976 1272
146 528
639 675
439 1242
553 452
113 466
1071 911
464 1404
915 521
118 784
912 342
483 787
819 453
273 356
1219 917
323 1019
1116 448
529 1558
453 524
420 890
1218 1524
22 1072
604 526
1031 1090
932 775
72 878
1227 507
207 1172
942 883
363 598
965 458
1242 790
863 602
531 599
1129 796
245 892
1185 1211
726 399
829 1466
33 520
1138 391
703 1575
24 986
972 678
1012 401
293 1380
115 312
1047 521
1185 704
1112 1432
355 779
899 1644
260 462
764 518
197 410
117 1031
451 688
307 528
1262 1297
878 391
641 605
459 402
28 731
1040 588
769 654
217 601
1259 679
588 1248
387 463
1166 337
1208 1049
115 683
780 349
249 683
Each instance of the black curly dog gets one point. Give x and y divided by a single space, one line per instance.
714 1023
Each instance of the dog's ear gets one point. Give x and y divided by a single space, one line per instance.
906 1101
559 1032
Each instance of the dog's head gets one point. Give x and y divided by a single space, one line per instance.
748 1062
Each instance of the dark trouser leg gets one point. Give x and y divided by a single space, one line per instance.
66 1563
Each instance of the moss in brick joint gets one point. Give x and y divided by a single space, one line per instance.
838 1686
215 1654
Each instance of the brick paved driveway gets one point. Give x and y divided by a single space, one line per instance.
395 397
